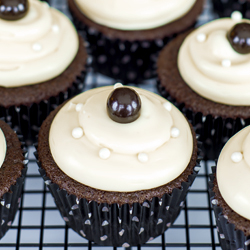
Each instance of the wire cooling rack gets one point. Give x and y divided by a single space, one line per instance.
39 226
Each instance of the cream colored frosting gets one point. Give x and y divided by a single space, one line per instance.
2 147
134 14
94 150
211 67
233 172
36 48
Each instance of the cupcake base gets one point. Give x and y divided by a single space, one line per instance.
115 225
26 107
128 56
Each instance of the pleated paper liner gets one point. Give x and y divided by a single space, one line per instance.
125 225
28 119
214 131
229 237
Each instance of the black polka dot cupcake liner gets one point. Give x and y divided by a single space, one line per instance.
229 237
26 120
10 201
213 132
224 8
125 225
129 62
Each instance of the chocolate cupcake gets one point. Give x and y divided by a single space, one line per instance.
205 73
12 171
226 8
229 192
125 36
115 169
40 66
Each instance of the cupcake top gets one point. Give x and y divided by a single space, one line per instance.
96 150
233 173
134 15
214 60
37 47
2 147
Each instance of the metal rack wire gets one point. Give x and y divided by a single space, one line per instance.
38 224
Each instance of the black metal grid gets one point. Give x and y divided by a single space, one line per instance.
38 224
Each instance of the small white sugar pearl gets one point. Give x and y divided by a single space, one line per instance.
236 157
77 132
201 37
226 63
142 157
175 132
236 16
104 153
37 47
118 85
55 28
167 106
79 107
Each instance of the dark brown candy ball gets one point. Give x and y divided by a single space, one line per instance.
239 38
124 105
13 9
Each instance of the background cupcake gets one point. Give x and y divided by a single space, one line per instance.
40 66
229 192
114 203
226 8
125 36
12 172
207 79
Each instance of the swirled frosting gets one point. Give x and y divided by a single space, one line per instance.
94 150
210 66
233 172
2 147
134 14
36 48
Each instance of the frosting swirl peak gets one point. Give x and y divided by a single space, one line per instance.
36 48
212 68
134 15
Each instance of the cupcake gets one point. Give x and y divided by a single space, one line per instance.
125 36
226 8
119 169
205 73
229 192
42 63
12 171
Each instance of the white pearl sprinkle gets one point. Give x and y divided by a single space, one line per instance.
226 63
142 157
37 46
201 37
236 157
118 85
236 16
79 107
175 132
167 106
104 153
77 132
55 28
